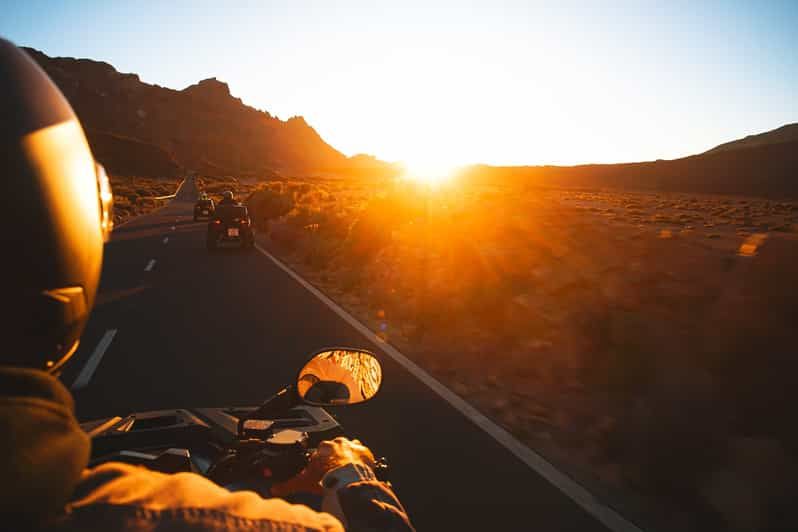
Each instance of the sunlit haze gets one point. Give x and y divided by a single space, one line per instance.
442 84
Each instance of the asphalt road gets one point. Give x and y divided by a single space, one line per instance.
200 330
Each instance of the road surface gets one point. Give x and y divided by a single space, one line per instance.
182 328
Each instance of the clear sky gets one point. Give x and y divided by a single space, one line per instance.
444 83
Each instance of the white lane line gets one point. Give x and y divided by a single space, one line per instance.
94 360
604 514
165 239
149 265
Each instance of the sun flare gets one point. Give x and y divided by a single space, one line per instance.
428 172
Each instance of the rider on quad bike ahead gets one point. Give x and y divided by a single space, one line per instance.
52 189
230 224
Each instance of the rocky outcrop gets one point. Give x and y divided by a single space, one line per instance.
202 127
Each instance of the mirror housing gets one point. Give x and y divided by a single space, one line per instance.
339 376
106 201
336 376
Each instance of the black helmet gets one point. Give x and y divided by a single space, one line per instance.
228 195
56 207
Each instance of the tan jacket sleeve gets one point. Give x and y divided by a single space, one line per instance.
135 493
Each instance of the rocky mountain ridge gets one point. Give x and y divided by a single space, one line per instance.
202 127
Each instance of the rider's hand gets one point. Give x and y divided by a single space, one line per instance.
329 455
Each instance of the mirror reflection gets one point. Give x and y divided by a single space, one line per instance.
339 377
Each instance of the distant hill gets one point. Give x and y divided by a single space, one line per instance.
201 127
767 169
788 133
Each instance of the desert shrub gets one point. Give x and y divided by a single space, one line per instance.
319 251
302 216
269 203
373 228
317 197
298 189
285 236
366 238
350 279
332 223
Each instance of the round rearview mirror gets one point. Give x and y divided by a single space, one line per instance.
340 376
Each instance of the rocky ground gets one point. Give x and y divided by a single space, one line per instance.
646 340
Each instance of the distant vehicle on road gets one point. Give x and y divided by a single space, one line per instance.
204 208
232 226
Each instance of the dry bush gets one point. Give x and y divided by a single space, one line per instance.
269 202
132 195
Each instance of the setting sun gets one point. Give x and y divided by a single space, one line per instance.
428 172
